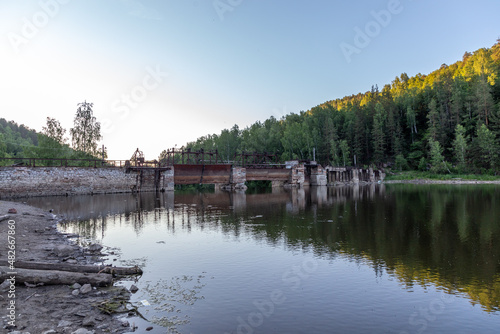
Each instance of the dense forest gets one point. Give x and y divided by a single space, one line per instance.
16 139
446 121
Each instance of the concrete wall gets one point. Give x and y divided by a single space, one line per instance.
297 175
46 181
318 176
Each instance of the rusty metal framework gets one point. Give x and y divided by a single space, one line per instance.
138 161
137 158
188 157
201 157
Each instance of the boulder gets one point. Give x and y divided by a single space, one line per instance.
86 288
63 250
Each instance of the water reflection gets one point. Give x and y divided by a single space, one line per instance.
441 235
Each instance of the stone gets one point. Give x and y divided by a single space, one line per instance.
64 323
134 288
82 331
63 250
75 292
5 285
72 261
88 322
12 210
124 322
50 331
81 314
86 288
76 286
94 248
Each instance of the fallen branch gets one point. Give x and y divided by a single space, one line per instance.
5 217
54 277
77 268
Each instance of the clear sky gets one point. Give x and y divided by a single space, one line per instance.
162 73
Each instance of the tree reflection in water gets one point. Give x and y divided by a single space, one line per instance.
441 235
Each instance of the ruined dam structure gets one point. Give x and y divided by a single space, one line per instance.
104 177
347 175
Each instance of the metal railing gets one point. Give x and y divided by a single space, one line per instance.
244 159
60 162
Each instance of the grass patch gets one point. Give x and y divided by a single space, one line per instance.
194 188
415 175
258 186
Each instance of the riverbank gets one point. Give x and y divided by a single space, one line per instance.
453 181
32 233
419 177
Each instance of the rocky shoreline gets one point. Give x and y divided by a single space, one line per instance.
49 309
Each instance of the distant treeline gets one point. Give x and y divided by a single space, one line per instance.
448 120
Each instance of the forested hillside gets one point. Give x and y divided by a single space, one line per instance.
446 120
15 139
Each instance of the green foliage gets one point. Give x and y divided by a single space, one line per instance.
187 188
49 148
460 147
400 163
375 127
258 186
422 175
344 149
422 165
488 146
378 133
86 132
18 141
438 164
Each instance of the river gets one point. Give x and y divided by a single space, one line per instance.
393 258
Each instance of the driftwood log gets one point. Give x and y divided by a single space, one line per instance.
76 268
55 277
5 217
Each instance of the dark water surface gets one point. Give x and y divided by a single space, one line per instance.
371 259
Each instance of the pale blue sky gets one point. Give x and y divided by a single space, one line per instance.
162 73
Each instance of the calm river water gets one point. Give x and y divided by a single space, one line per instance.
368 259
